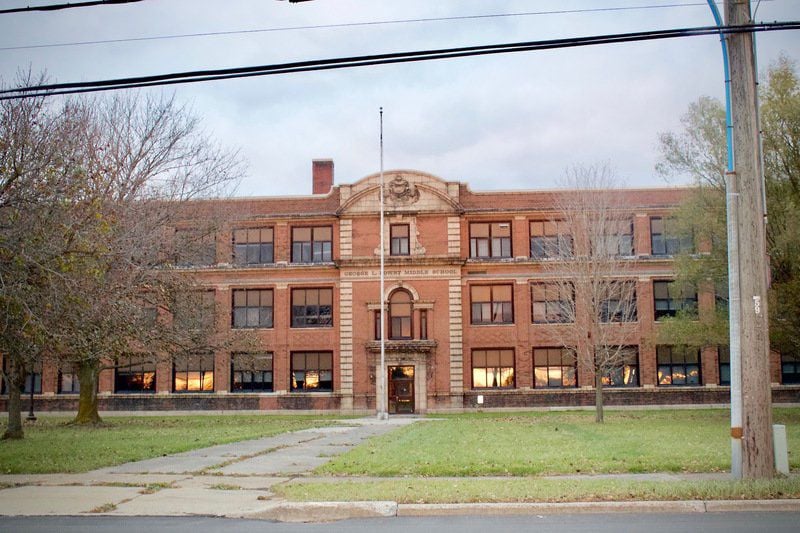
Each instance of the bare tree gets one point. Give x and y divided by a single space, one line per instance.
156 167
100 186
43 223
588 271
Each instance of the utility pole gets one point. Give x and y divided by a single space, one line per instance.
756 430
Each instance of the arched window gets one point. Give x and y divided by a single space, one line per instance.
400 315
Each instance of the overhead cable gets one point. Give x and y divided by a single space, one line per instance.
354 24
68 5
379 59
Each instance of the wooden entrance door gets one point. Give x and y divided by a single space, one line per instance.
401 389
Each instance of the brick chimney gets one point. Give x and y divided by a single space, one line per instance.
322 175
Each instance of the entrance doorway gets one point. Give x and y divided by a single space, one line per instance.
401 390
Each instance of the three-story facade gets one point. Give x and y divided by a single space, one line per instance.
471 310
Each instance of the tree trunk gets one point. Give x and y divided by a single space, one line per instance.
15 380
88 374
598 396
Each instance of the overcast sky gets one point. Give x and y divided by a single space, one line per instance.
512 121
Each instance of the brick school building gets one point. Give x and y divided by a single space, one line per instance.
470 308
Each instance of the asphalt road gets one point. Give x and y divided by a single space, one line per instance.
584 523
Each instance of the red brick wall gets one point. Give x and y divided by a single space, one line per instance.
433 234
517 208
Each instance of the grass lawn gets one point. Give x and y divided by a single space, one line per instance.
531 489
522 444
51 445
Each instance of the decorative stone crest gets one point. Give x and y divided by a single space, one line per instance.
400 192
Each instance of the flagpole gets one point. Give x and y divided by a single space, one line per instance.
381 403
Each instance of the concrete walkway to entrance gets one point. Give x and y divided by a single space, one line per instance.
285 454
225 480
235 480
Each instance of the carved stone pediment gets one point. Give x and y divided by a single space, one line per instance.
400 192
405 347
403 191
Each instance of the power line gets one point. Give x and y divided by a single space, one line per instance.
379 59
356 24
69 5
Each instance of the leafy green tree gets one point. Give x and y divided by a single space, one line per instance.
699 151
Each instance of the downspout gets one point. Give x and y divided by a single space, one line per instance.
732 205
381 384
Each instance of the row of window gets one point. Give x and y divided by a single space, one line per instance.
491 368
310 371
487 240
554 303
253 308
553 368
557 367
255 246
490 304
553 239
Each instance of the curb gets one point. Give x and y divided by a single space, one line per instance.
324 511
692 506
684 506
331 511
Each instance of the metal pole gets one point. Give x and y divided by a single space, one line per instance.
732 211
381 403
734 311
31 417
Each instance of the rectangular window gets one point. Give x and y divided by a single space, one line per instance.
619 304
678 365
312 245
493 369
554 368
669 298
666 240
253 246
550 239
312 308
68 380
31 379
492 304
724 356
615 239
252 308
194 373
399 239
194 310
312 371
423 324
621 365
194 247
790 369
146 316
490 240
133 374
251 372
377 325
552 303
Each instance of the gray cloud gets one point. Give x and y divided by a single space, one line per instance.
498 122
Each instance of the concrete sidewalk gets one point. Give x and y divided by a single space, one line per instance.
234 480
226 480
